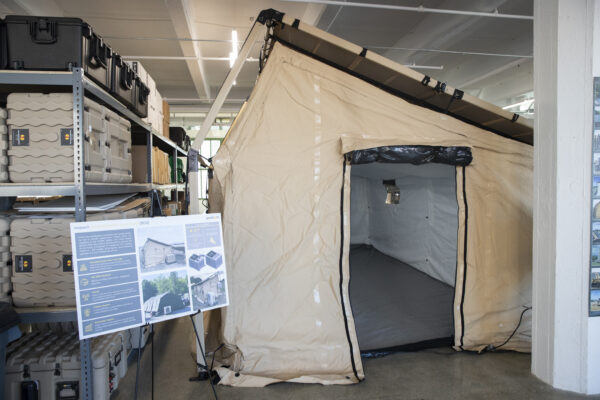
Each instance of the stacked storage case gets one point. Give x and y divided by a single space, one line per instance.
118 157
130 86
46 366
3 146
41 140
5 285
154 113
134 337
51 43
61 44
123 82
41 255
179 135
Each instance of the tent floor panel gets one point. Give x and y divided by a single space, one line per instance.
394 304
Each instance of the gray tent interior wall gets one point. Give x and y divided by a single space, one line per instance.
402 282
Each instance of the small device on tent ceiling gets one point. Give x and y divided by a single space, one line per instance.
393 192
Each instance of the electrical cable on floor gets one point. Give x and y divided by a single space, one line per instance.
494 348
137 368
212 363
204 357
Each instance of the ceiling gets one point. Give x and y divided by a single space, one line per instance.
191 77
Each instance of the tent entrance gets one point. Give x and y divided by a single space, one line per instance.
403 255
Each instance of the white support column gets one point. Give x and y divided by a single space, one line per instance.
566 344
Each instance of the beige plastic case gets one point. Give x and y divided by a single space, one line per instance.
40 140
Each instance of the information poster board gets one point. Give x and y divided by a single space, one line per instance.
595 239
132 272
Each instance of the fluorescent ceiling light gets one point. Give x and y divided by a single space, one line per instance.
523 105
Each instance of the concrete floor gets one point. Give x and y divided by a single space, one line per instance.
432 374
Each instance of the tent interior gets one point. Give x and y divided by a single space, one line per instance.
403 256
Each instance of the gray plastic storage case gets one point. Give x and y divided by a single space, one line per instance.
41 254
5 285
48 363
40 134
3 147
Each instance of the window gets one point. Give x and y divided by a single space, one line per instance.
209 149
192 122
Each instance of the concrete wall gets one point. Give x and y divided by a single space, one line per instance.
566 345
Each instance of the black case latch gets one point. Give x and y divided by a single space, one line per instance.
43 31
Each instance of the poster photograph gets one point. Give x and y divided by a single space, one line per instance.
162 249
595 255
132 272
165 294
595 279
596 167
595 224
595 301
596 137
596 187
207 267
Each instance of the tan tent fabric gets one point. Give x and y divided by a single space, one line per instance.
279 182
400 80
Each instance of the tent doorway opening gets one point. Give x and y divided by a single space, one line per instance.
403 254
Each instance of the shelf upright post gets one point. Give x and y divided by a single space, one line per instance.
87 392
174 173
149 156
78 144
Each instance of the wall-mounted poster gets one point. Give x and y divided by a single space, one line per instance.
136 271
595 224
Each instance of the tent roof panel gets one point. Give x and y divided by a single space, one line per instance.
398 79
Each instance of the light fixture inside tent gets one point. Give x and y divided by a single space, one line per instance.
392 192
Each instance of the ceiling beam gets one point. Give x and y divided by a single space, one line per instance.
35 7
476 79
182 17
312 13
421 9
433 31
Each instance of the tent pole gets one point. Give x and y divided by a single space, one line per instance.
253 36
255 33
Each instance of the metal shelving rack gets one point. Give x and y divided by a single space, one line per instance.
168 146
80 85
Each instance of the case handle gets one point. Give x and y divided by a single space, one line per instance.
71 386
43 31
144 92
98 52
126 78
30 390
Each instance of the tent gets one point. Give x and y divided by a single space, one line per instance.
162 304
322 262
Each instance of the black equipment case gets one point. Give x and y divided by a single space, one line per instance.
123 82
58 44
142 93
178 134
3 44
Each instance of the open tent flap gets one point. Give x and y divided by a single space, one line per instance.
422 229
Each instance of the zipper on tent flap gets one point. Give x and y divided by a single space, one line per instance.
464 277
346 160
